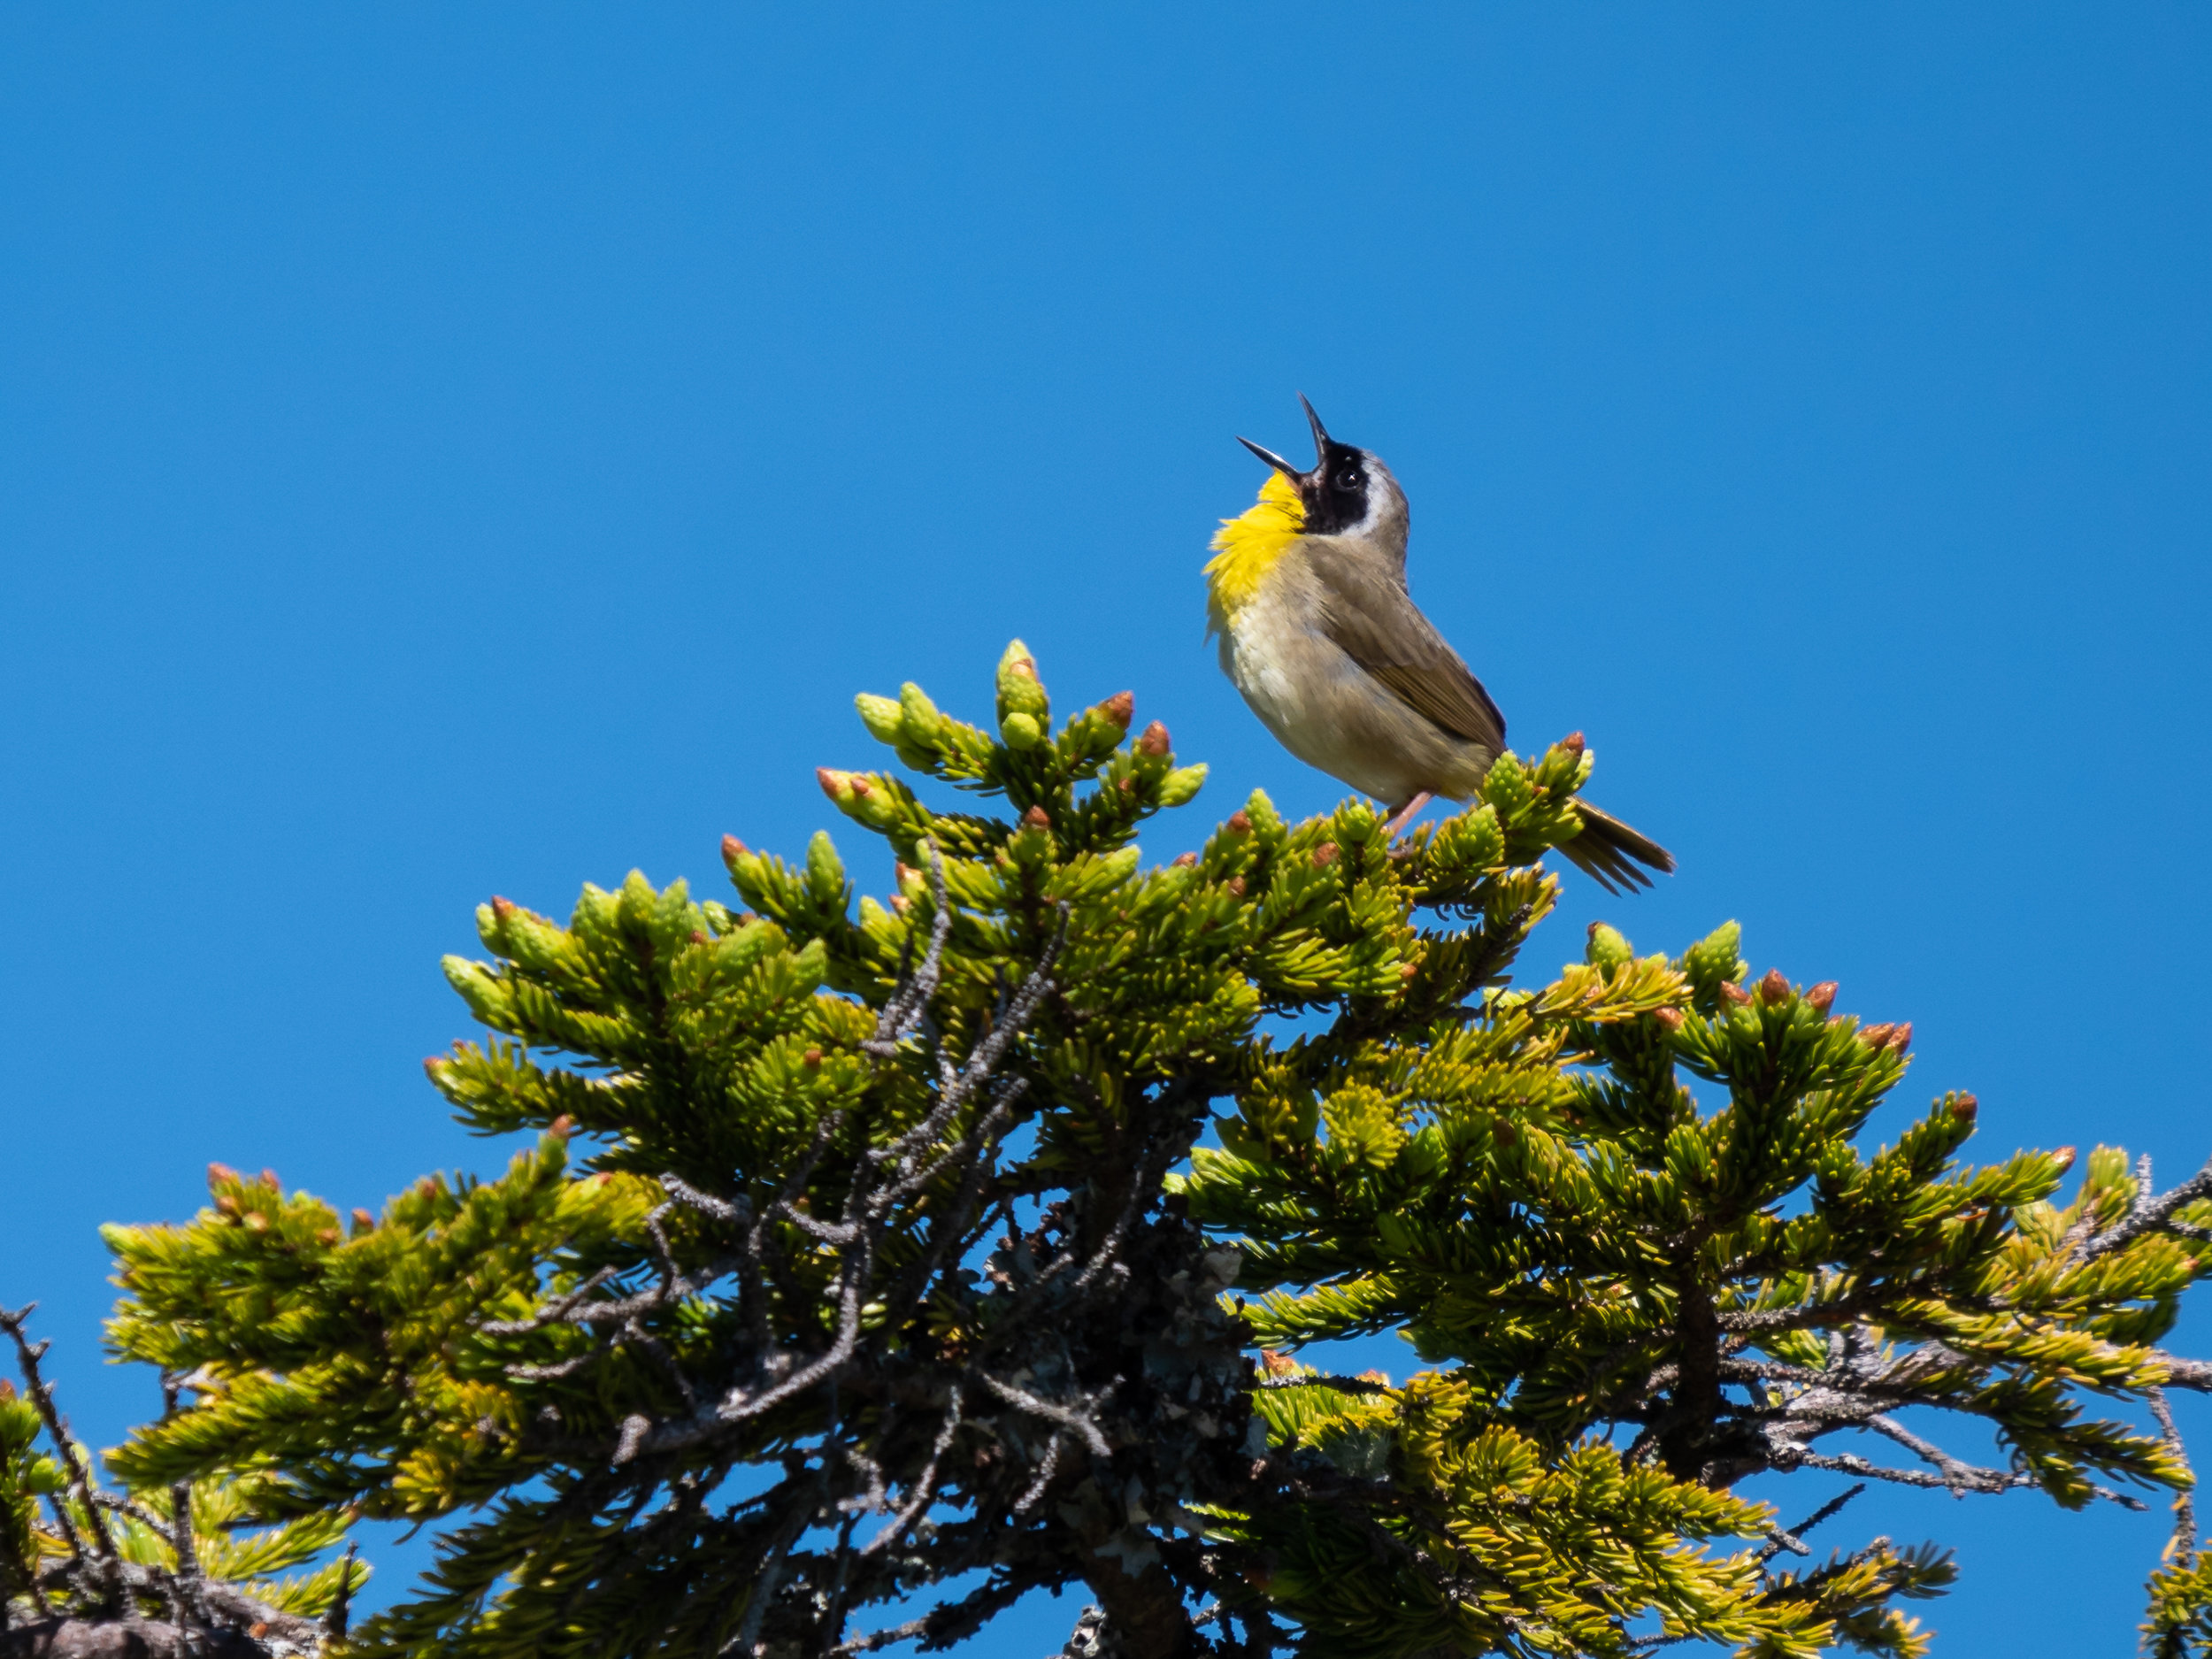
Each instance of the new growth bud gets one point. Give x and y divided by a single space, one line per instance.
1574 744
1822 997
1877 1036
1183 861
1037 817
882 715
1901 1039
1239 823
733 849
561 1127
1774 988
502 908
1670 1018
1121 707
1607 947
1733 994
1324 855
1965 1108
1155 739
220 1175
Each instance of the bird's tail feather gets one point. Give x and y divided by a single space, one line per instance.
1607 851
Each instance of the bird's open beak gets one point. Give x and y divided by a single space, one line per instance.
1320 432
1320 449
1275 461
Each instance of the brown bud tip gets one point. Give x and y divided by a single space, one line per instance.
430 1064
900 903
220 1174
812 1058
1183 861
1121 707
269 1179
1240 823
564 1126
258 1629
1774 987
364 1221
502 908
902 874
7 1389
1324 855
256 1222
1822 996
1275 1362
1407 970
2065 1156
1877 1036
1037 817
1965 1108
1235 884
1901 1039
733 849
1127 786
699 936
1025 666
860 784
1574 744
326 1235
1731 992
1154 740
1670 1018
227 1202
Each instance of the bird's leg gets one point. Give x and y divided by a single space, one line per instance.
1406 814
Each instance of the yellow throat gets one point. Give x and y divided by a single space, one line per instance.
1247 547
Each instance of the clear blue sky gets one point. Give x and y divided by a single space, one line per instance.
456 450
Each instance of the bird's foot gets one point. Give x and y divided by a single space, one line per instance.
1406 814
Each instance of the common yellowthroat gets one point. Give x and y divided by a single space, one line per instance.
1308 591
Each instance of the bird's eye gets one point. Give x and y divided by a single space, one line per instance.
1348 480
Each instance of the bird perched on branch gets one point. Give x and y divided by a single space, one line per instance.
1308 592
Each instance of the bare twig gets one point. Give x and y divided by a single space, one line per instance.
1792 1539
72 1458
1076 1417
2184 1546
2147 1213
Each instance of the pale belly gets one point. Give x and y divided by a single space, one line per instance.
1325 710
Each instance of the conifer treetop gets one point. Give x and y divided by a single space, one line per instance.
878 1261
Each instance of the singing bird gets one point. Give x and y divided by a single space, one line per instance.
1308 591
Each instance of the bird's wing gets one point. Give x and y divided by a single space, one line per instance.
1374 621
